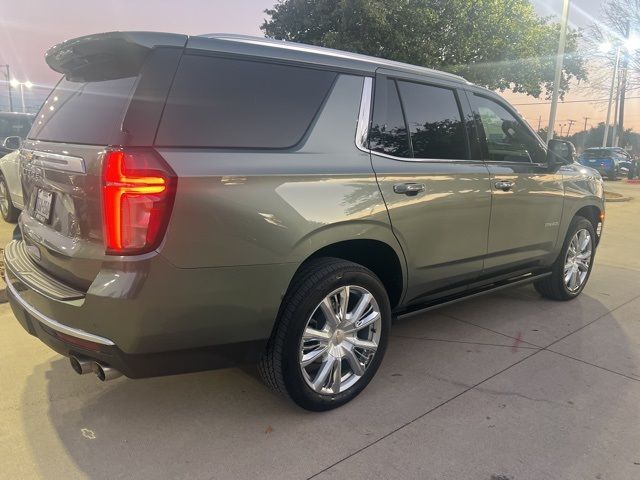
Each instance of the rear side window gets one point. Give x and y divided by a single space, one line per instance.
434 121
388 130
230 103
83 112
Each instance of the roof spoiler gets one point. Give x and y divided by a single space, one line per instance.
107 56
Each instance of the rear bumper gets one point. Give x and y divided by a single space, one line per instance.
150 318
70 341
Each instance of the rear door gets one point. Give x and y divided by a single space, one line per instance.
527 197
433 181
112 94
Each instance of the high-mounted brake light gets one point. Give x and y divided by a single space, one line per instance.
138 189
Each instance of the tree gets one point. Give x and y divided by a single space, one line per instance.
594 136
618 23
501 45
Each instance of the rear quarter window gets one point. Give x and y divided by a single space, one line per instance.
83 112
230 103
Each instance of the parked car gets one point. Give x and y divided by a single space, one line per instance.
611 162
216 199
10 187
13 129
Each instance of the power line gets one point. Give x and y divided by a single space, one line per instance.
596 100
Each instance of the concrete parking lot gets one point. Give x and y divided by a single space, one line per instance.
508 386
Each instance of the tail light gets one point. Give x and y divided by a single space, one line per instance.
138 189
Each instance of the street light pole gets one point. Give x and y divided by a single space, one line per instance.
613 84
7 75
16 83
24 108
559 63
614 128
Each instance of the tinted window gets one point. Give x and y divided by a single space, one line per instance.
12 125
217 102
597 153
83 112
388 130
434 121
507 139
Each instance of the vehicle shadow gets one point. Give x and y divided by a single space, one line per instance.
226 424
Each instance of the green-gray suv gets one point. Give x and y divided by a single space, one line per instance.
192 202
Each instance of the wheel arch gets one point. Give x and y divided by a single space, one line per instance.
593 214
376 255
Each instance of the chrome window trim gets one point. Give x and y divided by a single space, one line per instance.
364 116
56 161
51 323
362 131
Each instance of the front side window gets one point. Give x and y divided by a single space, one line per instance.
388 130
506 138
434 121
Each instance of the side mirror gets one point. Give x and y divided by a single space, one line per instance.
12 143
560 152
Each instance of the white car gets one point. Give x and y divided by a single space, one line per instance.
11 202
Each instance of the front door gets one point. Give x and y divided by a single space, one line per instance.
527 198
438 196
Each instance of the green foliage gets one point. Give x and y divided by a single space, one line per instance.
496 43
594 136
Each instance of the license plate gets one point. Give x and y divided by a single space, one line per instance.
42 209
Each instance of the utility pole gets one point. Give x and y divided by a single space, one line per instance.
614 136
613 85
623 89
7 75
559 63
571 122
585 122
561 129
539 122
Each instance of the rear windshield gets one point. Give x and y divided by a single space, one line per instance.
229 103
600 153
14 125
83 112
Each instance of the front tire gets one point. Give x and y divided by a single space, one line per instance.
7 210
330 337
572 268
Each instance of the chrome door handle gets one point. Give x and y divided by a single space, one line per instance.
410 189
504 185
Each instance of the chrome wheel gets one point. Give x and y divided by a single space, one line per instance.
340 340
578 260
4 198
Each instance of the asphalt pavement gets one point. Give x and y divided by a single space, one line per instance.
507 386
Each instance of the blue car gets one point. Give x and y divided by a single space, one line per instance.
611 162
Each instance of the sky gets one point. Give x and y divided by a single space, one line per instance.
29 27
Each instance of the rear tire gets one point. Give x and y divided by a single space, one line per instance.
324 350
7 210
572 268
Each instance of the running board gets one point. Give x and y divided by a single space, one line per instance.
494 287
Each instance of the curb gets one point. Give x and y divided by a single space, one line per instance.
612 197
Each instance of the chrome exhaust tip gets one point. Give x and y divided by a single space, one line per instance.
81 365
105 373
